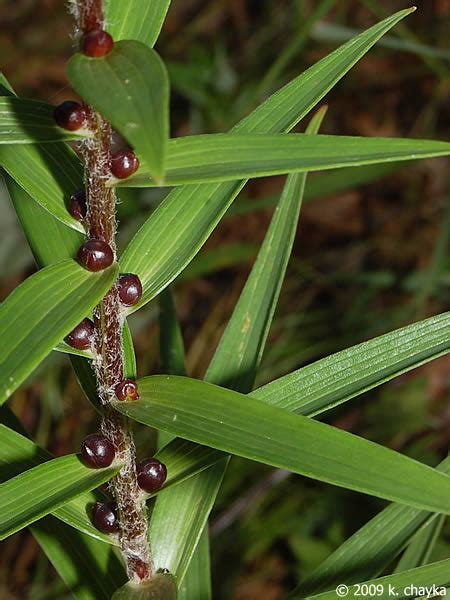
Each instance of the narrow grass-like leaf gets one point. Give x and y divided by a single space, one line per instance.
135 20
197 581
49 173
225 157
28 121
91 570
129 356
185 524
54 483
50 241
400 585
341 376
239 353
200 207
17 454
40 312
130 87
229 421
422 545
371 549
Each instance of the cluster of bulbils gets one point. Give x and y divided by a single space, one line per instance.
97 451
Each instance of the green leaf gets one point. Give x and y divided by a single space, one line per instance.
229 421
129 356
49 173
134 20
53 484
174 513
161 587
27 122
238 356
371 549
200 207
170 340
346 374
18 454
130 87
49 239
225 157
422 545
437 574
197 581
40 312
91 570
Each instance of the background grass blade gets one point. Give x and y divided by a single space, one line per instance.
40 312
28 121
197 581
130 88
437 574
225 157
54 483
223 419
49 173
200 207
370 550
91 570
422 545
134 20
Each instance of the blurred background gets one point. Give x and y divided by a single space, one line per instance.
371 255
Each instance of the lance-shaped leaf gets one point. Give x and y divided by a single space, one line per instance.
224 157
402 585
422 545
53 483
183 459
200 207
49 173
341 376
229 421
371 549
234 364
91 570
130 87
50 241
41 312
28 121
135 20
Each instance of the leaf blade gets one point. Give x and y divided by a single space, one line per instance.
133 20
69 478
226 157
208 202
223 419
41 311
130 87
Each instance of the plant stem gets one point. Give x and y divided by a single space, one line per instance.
108 321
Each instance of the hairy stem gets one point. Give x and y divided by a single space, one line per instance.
108 321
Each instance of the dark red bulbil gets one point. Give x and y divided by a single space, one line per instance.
124 164
70 115
151 475
130 289
104 517
97 43
127 390
81 337
78 206
97 451
95 255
